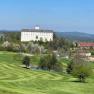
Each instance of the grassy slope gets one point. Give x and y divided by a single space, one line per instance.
16 80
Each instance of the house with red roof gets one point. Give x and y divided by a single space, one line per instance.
87 45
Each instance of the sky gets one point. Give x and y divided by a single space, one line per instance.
58 15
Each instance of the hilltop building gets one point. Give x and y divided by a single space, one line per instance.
36 34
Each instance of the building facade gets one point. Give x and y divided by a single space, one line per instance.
87 45
36 35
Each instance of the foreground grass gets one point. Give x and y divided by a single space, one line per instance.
17 80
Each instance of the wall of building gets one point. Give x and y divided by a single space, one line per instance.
36 36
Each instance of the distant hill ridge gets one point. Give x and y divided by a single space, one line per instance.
76 36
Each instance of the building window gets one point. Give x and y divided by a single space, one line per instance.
36 37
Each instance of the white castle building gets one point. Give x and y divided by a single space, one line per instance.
36 34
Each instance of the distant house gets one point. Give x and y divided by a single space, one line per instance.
36 34
86 45
86 54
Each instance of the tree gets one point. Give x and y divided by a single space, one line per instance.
26 61
7 46
12 36
79 68
50 62
81 71
53 60
45 62
69 67
1 38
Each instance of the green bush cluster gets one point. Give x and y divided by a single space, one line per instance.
79 68
50 62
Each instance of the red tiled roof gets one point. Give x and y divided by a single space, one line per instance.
84 44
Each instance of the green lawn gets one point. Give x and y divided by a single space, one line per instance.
17 80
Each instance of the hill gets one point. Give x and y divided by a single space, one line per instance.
76 36
17 80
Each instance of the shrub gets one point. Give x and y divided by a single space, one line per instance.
79 68
81 71
26 61
69 67
50 62
92 53
7 46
